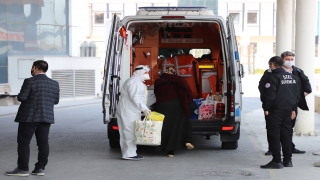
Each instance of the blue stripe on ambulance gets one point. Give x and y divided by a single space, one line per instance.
237 112
236 55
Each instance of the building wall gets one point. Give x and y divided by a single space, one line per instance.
254 26
96 17
262 33
19 68
211 4
46 29
34 27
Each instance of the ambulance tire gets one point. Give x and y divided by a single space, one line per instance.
229 145
230 141
114 144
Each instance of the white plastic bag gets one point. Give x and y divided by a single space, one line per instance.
148 132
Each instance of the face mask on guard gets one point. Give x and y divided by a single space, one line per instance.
288 63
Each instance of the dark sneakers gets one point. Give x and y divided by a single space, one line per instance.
287 164
297 151
294 151
38 172
268 153
134 158
17 172
272 165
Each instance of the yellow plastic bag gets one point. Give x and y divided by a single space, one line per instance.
156 116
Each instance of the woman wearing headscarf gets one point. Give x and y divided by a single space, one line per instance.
172 96
131 103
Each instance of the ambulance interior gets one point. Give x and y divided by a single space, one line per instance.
193 48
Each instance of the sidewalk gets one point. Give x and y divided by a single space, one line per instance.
10 110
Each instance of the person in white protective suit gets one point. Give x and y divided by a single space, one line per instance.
132 102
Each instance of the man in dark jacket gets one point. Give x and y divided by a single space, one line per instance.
305 87
282 97
38 95
263 85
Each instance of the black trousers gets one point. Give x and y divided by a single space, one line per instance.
279 132
25 133
293 122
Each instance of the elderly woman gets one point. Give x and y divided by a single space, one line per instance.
172 96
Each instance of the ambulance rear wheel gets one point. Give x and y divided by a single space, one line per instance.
229 145
230 141
114 144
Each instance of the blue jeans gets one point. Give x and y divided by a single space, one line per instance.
25 133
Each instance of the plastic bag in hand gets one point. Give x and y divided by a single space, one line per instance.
156 116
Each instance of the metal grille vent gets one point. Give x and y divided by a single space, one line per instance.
84 83
65 80
75 82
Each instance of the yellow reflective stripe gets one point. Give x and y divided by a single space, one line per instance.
206 66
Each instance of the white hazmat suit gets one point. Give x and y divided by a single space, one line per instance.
132 101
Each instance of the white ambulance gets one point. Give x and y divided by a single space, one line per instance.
200 45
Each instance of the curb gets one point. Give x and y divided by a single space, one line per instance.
67 106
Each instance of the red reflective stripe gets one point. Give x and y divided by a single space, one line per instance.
227 128
115 127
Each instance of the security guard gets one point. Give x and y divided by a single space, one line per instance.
265 79
305 87
282 97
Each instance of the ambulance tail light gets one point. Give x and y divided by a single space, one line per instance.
227 128
115 128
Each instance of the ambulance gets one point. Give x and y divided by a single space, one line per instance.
201 46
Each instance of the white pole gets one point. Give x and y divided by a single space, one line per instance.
293 48
305 59
283 26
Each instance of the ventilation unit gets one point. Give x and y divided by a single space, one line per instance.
74 83
88 49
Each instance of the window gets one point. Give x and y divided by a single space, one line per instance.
236 17
201 53
274 48
252 18
197 53
116 13
274 18
98 18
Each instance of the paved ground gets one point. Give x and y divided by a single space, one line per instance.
80 151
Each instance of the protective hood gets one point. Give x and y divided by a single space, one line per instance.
142 72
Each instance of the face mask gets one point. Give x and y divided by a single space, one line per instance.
146 76
269 70
288 63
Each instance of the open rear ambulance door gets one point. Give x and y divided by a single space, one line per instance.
111 77
236 73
